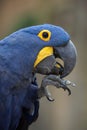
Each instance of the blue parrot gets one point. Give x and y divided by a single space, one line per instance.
24 53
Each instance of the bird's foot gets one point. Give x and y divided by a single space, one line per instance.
55 81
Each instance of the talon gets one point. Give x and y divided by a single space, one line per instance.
48 94
50 99
69 91
64 87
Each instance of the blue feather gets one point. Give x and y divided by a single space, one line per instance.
18 53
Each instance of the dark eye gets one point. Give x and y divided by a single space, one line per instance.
44 35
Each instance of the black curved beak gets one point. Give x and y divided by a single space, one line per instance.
68 55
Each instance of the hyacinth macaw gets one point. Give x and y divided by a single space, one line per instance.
23 54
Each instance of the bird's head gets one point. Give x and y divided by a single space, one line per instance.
52 42
55 43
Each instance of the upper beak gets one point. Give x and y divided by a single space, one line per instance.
68 55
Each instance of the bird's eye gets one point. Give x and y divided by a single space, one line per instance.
44 35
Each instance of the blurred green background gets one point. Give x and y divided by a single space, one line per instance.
67 112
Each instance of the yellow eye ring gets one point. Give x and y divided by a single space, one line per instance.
44 35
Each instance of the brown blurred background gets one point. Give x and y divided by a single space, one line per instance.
67 112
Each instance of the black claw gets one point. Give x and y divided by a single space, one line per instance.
64 87
50 99
69 91
48 94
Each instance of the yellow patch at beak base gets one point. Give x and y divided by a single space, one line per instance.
45 52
